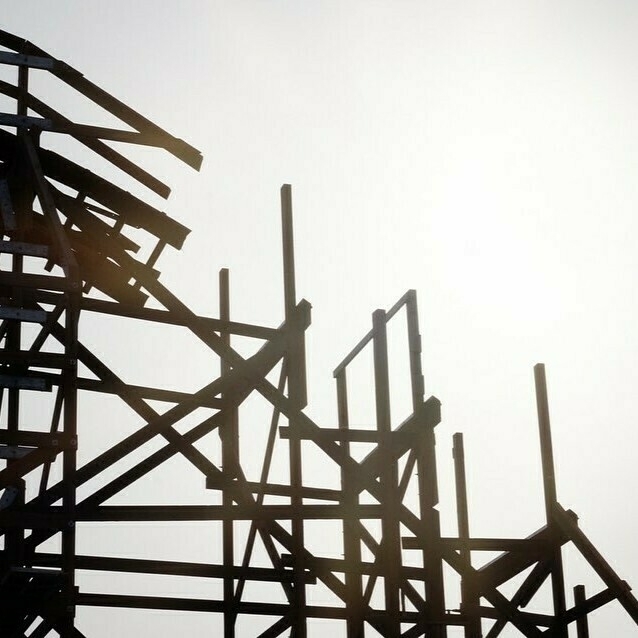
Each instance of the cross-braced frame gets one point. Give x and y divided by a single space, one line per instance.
67 256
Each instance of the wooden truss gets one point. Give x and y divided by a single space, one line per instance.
65 252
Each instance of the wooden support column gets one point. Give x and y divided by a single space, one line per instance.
14 538
414 345
69 458
390 548
428 483
297 396
428 492
431 532
582 625
229 435
549 488
469 599
351 539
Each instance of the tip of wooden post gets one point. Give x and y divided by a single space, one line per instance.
379 315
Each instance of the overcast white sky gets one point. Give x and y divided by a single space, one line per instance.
483 153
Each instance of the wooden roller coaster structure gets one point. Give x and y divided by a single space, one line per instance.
65 252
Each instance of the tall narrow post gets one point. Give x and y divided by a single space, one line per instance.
414 345
431 532
469 600
297 397
14 331
69 457
549 488
228 433
428 487
351 540
14 538
296 346
390 546
582 626
13 341
426 467
23 89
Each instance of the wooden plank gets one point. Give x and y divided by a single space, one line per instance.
6 208
222 512
38 439
32 61
133 210
23 248
66 255
169 568
23 314
20 467
333 434
59 122
27 280
177 147
25 121
24 383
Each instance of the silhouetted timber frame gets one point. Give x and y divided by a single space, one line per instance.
64 248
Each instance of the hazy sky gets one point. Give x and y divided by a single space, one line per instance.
482 153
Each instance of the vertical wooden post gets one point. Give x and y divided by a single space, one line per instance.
351 540
228 433
414 345
431 530
582 625
469 600
14 331
297 397
390 546
69 456
426 468
549 488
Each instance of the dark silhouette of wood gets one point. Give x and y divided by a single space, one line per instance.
65 251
